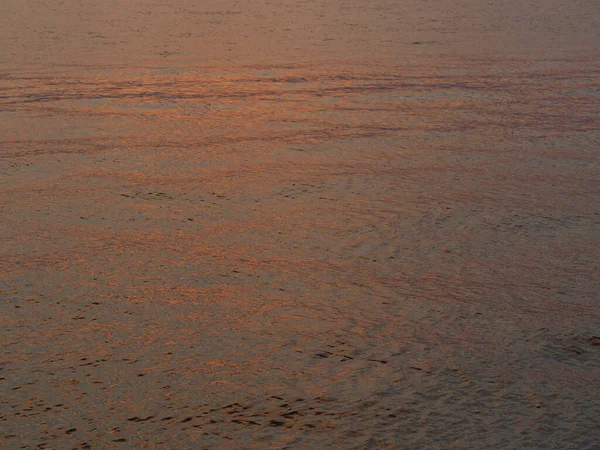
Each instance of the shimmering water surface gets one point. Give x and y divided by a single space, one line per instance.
299 224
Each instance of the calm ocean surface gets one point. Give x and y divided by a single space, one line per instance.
299 224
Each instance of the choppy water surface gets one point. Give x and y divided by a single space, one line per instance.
299 224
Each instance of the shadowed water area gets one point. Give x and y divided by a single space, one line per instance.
299 224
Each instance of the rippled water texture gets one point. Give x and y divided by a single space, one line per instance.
299 224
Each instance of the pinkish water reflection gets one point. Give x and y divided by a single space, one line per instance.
295 225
